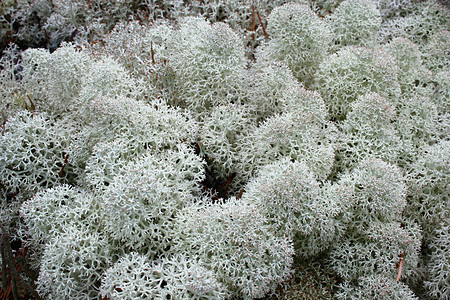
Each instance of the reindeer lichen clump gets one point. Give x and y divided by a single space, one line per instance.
224 149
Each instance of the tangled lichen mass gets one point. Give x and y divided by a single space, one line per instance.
224 149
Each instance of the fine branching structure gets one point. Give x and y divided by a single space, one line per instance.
224 149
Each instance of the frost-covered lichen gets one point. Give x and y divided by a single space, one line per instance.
225 149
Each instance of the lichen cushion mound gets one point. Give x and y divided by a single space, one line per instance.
234 241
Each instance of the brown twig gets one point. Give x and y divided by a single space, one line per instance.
4 278
33 107
400 267
262 25
5 296
66 158
7 256
8 260
253 22
152 52
240 194
224 187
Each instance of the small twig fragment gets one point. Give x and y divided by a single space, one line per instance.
400 267
152 52
224 187
66 158
262 25
240 194
33 107
253 22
